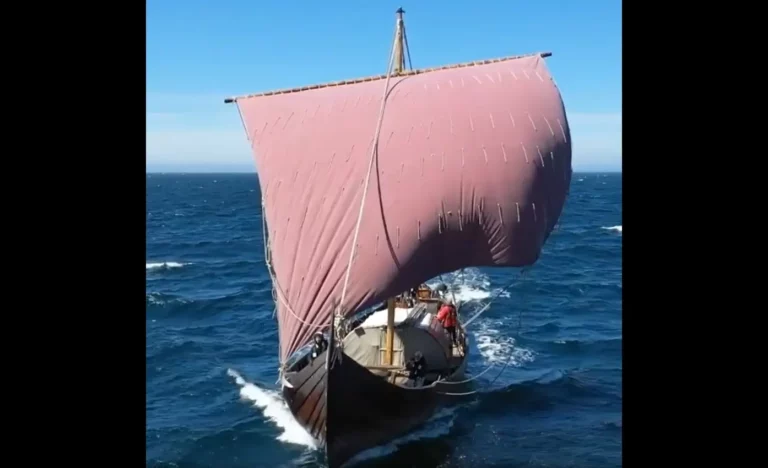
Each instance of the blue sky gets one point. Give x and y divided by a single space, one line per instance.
201 51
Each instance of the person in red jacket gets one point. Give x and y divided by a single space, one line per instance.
447 316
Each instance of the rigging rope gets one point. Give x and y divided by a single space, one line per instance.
453 296
277 290
519 325
451 382
374 152
407 48
509 359
486 306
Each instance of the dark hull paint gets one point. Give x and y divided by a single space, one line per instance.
366 411
350 410
307 399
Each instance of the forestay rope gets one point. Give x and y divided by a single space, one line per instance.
374 152
277 292
486 306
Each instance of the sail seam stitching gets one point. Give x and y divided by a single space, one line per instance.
374 152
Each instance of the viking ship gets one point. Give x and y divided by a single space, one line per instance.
370 188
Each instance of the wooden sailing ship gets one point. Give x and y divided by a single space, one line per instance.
373 186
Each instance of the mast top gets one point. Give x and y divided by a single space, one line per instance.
399 66
401 44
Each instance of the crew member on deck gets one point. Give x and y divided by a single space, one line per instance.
320 345
447 316
417 369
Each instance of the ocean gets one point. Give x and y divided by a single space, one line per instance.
212 397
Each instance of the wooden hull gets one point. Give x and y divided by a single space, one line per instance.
307 397
350 410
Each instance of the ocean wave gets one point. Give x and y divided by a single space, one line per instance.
204 304
544 390
613 228
274 408
162 299
164 265
584 347
498 347
438 426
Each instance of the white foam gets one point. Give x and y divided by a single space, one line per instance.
276 410
158 299
152 266
497 347
437 426
613 228
472 285
468 285
467 293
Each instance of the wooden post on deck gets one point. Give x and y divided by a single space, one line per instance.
390 330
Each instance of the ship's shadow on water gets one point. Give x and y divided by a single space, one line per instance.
442 440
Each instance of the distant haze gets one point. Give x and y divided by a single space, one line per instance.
203 168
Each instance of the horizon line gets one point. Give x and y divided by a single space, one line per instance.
177 172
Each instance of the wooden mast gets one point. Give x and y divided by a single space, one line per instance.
399 67
390 330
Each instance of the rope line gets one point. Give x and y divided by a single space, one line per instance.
407 48
486 306
276 284
446 382
451 382
374 152
277 290
467 323
453 295
509 359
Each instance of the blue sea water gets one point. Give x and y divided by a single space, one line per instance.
212 342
